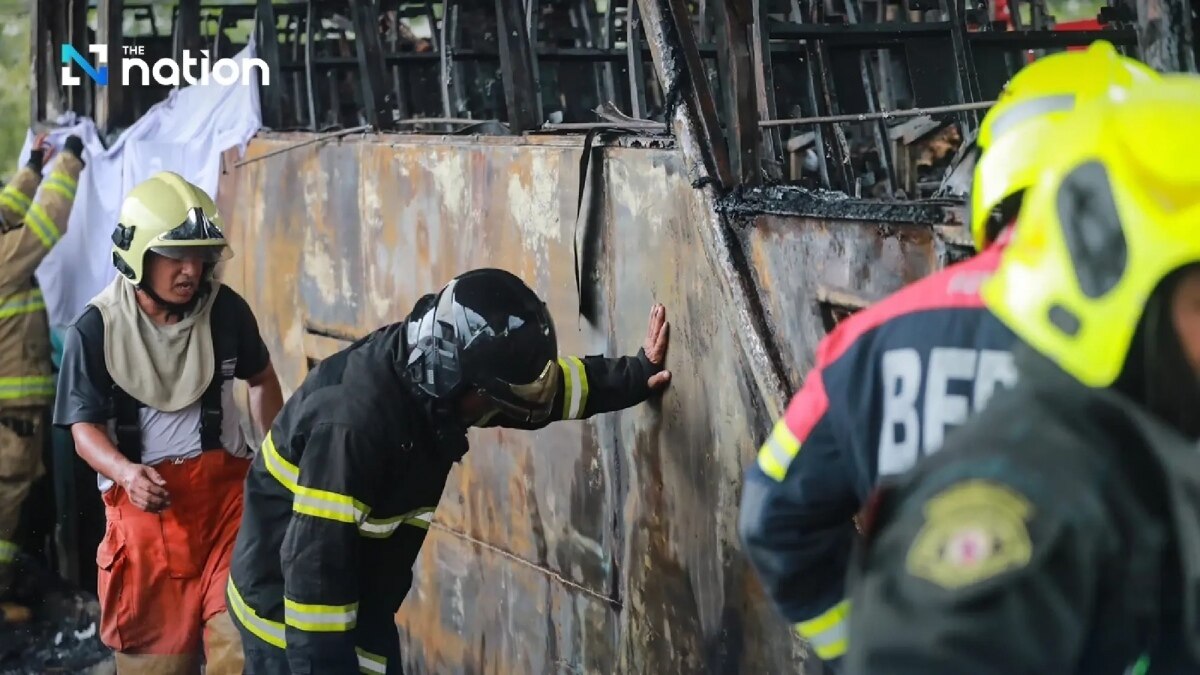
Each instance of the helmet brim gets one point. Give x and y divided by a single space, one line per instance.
208 254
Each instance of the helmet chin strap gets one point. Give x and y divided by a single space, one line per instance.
175 309
180 309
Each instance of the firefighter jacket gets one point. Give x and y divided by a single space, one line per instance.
339 500
1058 532
29 227
887 385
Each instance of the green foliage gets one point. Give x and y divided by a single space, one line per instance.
14 89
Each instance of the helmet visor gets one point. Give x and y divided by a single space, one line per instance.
532 402
197 227
207 254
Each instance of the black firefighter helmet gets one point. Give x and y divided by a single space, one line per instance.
487 332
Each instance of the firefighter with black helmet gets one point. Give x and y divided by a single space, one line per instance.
340 498
1057 532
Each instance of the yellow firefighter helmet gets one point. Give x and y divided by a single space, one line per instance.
1116 211
170 216
1019 133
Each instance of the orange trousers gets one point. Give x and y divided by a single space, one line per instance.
162 575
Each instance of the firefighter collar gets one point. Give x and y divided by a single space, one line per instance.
164 367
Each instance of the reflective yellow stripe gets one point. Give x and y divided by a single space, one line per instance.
22 303
329 505
311 501
15 199
8 201
372 664
379 528
575 387
284 471
568 388
320 618
827 632
42 225
61 185
777 453
21 387
268 631
8 551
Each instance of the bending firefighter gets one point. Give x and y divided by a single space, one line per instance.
29 227
146 388
891 381
1057 532
340 498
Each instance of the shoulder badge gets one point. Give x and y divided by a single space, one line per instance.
973 531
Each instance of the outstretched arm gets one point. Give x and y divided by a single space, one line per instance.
591 385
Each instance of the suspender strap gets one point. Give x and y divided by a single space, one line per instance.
129 429
211 414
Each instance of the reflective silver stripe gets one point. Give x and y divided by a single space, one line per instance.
827 632
332 621
268 631
574 373
314 505
780 454
43 225
379 528
827 642
1030 109
22 303
372 664
422 521
20 201
285 471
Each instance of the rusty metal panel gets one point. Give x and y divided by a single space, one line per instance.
601 547
798 260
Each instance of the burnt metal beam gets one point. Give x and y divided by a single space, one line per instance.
1048 39
669 31
1165 27
310 80
636 66
765 94
186 33
79 98
871 93
365 15
267 43
883 114
693 120
734 22
111 109
451 85
39 59
839 148
516 62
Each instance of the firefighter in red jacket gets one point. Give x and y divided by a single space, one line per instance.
1058 531
891 381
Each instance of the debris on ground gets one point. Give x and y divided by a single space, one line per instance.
57 631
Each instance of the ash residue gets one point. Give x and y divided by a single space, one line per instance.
63 635
66 645
792 200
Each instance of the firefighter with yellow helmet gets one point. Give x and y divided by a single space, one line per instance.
871 406
146 391
1057 532
33 218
